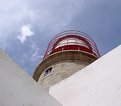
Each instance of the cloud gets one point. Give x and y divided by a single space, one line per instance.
54 16
36 56
25 32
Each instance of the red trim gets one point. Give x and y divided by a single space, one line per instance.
71 47
72 34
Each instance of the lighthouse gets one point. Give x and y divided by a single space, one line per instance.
67 53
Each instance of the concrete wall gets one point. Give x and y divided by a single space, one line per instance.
99 84
60 71
62 56
63 64
19 89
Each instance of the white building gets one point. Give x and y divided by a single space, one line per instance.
99 84
19 89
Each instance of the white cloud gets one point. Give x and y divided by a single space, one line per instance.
36 56
51 18
36 50
25 32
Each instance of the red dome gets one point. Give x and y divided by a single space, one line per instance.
72 40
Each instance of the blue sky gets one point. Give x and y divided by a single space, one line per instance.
27 26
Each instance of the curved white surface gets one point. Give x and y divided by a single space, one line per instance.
99 84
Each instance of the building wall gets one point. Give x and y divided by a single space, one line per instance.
60 71
19 89
98 84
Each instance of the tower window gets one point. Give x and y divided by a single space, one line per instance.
48 72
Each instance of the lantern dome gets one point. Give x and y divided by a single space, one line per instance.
72 40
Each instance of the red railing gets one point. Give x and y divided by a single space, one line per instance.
92 48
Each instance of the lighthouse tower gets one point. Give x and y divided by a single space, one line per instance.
67 53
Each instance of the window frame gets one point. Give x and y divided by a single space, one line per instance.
47 72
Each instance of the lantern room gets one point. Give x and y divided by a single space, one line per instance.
72 40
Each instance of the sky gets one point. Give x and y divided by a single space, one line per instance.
27 26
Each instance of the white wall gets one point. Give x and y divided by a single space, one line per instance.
19 89
99 84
